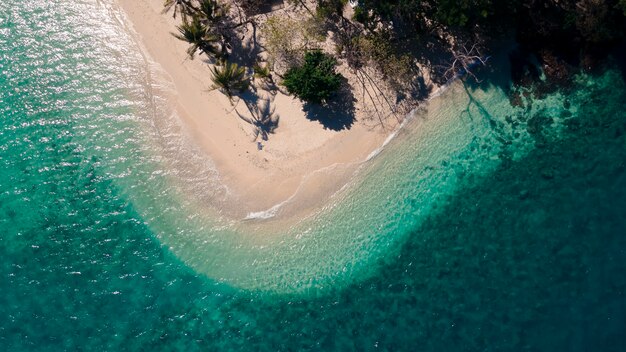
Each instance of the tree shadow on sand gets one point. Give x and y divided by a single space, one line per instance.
338 113
260 115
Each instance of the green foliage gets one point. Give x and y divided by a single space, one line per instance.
455 13
185 7
197 35
203 26
462 12
316 80
211 12
360 15
370 12
376 49
281 35
262 72
330 8
229 79
286 39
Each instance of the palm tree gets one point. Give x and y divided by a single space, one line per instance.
186 7
213 15
197 34
211 11
229 79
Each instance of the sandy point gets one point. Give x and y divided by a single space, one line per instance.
301 165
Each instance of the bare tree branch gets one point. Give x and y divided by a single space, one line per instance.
464 61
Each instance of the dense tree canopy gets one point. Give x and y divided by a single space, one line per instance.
508 13
316 80
571 29
397 43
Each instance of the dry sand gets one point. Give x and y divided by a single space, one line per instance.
302 162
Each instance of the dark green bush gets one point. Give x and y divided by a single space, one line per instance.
316 80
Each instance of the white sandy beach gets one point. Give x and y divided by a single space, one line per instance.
302 162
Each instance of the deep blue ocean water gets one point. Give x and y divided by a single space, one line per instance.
525 249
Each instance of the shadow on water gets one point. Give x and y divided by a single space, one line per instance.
529 257
502 63
620 58
338 113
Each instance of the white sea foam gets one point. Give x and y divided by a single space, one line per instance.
266 214
353 230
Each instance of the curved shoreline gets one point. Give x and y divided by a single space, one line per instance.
271 212
313 248
290 168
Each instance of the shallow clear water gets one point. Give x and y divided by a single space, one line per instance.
480 227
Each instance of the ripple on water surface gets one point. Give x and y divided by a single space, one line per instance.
118 124
481 227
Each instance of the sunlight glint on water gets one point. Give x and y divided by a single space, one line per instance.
481 227
134 140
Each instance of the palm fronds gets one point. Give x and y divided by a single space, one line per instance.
229 79
197 35
185 7
261 72
211 11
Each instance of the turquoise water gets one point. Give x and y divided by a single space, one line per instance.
482 226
